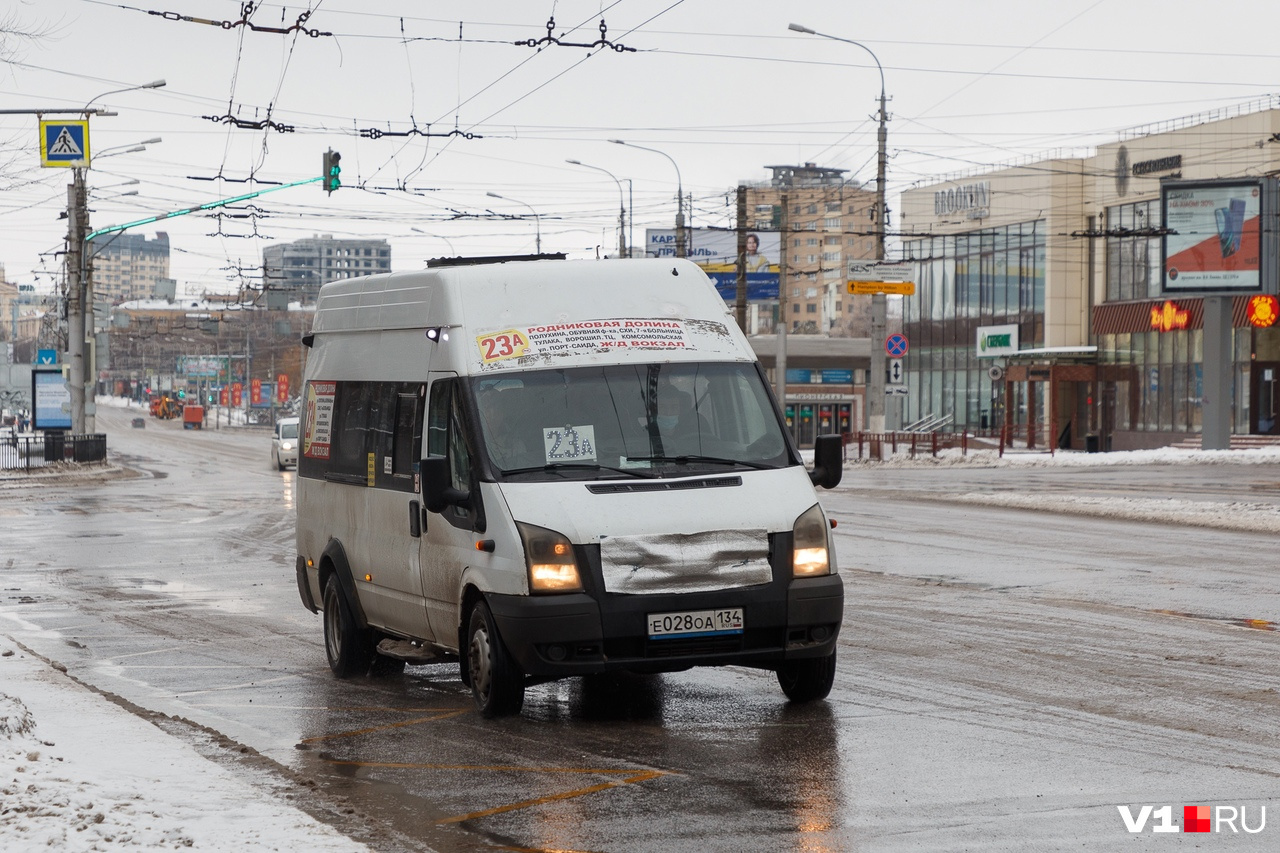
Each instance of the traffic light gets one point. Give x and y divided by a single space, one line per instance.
331 173
182 395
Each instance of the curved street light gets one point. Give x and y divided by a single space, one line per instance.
446 240
536 219
681 249
622 205
879 303
80 292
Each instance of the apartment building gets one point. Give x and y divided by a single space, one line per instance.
301 267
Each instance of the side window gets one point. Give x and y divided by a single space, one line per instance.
438 418
447 437
354 411
459 456
407 441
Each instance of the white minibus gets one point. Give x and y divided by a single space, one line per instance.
546 468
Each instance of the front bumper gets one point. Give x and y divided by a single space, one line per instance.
582 633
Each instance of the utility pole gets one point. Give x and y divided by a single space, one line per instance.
879 301
76 297
740 306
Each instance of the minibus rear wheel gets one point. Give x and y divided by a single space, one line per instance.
496 681
348 646
808 679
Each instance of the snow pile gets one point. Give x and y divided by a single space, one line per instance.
79 773
1074 459
1227 515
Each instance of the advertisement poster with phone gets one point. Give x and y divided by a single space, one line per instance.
1214 237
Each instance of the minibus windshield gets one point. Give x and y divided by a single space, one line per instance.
666 420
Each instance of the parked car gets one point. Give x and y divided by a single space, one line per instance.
284 443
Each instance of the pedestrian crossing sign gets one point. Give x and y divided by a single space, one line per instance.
64 143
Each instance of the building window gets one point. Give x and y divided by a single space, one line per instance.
833 207
795 308
1133 262
811 308
831 222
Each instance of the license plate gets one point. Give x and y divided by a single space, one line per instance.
695 623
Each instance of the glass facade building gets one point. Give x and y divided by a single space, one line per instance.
995 276
1068 255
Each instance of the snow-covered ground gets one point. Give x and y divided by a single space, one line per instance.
80 773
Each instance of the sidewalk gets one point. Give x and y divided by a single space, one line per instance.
80 773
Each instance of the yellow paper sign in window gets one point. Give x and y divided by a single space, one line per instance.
495 346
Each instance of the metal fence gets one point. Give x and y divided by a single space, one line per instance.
24 452
883 445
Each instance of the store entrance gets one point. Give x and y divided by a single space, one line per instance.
1264 407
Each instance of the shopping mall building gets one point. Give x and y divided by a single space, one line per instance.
1044 303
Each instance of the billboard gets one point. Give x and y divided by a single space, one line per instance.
51 407
716 251
1213 242
204 366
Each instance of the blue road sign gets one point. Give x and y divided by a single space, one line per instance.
47 356
64 143
896 346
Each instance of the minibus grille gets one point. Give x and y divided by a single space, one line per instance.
663 485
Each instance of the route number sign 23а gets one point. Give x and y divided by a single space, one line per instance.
496 346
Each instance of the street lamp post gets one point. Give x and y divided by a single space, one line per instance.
79 314
446 240
86 276
622 206
879 302
681 246
536 219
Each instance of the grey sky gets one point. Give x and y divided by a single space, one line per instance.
724 89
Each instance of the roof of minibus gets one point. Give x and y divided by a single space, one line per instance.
550 311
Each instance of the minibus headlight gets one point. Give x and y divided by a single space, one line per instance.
809 556
549 556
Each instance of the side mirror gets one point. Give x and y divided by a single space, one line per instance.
438 493
828 461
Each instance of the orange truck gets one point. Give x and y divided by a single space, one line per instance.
193 417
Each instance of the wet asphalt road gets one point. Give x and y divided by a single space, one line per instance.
1006 679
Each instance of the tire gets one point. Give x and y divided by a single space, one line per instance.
808 679
348 647
497 684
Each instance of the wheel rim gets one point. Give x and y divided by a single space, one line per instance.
333 628
481 670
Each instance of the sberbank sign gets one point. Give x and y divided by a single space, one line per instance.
996 341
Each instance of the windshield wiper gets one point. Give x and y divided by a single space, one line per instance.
684 460
553 467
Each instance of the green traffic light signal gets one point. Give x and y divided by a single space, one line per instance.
331 172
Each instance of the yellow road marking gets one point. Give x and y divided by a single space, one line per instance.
633 776
567 795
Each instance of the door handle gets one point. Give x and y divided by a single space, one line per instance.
415 519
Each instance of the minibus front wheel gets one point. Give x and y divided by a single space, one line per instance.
348 646
496 680
807 679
